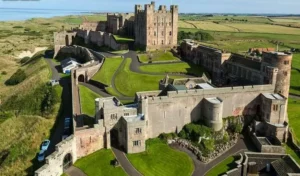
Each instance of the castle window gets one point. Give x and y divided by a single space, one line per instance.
138 130
137 143
286 62
154 33
153 42
154 24
170 33
275 107
170 23
162 42
162 33
285 73
113 117
126 114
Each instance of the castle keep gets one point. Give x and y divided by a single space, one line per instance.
150 28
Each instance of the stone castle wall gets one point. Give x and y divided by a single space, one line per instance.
166 114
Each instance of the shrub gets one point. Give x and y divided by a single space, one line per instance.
4 73
167 136
199 35
16 78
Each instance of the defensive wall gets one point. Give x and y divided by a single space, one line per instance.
165 114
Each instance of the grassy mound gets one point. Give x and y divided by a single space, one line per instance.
87 98
99 164
107 71
157 56
128 83
160 159
186 68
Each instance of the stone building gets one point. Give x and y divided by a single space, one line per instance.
156 29
235 69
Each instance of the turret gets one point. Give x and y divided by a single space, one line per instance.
283 62
164 83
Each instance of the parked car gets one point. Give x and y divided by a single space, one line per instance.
45 145
66 128
41 156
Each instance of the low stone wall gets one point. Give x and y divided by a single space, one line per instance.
54 162
266 148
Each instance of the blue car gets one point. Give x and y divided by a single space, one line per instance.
45 145
41 156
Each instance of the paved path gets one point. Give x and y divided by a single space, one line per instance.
74 171
54 69
201 168
124 162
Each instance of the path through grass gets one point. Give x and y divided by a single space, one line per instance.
160 159
107 71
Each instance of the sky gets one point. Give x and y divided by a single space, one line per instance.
185 6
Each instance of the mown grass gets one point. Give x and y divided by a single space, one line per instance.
87 100
295 75
293 154
157 56
294 116
99 164
105 74
128 83
160 159
186 68
222 167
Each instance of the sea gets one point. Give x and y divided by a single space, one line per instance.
18 14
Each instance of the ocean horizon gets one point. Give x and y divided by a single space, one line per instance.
20 14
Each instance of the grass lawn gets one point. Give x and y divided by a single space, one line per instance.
222 167
87 98
160 159
157 56
98 164
172 68
128 83
295 75
122 39
105 74
294 116
292 153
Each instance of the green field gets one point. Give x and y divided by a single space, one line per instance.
186 68
157 56
128 82
87 100
107 70
99 164
160 159
222 167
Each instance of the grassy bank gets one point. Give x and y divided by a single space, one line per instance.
87 100
160 159
105 74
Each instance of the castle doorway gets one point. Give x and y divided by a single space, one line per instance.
67 162
80 78
114 138
67 40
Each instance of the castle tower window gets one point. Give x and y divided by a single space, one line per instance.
285 73
154 24
162 42
275 107
137 143
170 33
286 62
138 130
154 33
153 42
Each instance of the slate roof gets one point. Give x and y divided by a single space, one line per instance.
285 165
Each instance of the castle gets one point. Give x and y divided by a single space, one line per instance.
252 88
150 28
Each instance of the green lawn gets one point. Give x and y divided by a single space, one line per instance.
122 39
107 71
292 153
294 116
87 100
222 167
176 67
157 56
295 75
128 83
98 164
160 159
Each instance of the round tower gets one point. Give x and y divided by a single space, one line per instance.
283 62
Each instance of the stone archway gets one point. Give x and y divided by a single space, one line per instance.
81 78
68 161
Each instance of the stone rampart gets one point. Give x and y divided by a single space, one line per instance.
55 162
